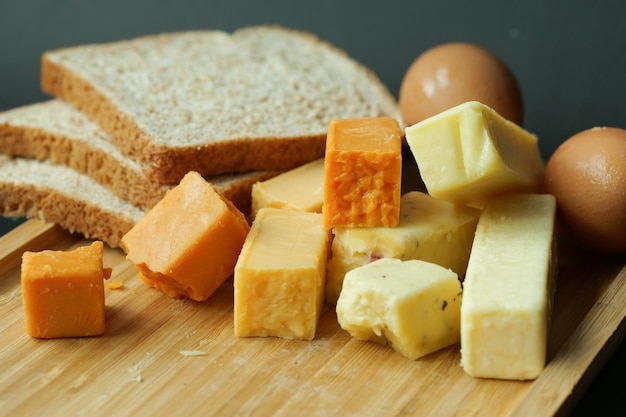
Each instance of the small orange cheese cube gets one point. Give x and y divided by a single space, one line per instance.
188 243
63 292
362 173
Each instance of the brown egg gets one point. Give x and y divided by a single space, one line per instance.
454 73
587 175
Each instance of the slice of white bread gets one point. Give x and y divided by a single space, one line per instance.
55 131
58 194
260 98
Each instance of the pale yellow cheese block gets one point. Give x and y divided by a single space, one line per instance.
430 229
414 306
508 289
301 188
280 275
470 153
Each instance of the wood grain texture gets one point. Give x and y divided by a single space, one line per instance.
137 365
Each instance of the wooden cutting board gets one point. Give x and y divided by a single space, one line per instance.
142 363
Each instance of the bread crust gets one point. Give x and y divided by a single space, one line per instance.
33 142
168 164
59 201
163 164
20 139
72 214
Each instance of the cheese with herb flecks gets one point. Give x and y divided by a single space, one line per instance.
431 230
414 306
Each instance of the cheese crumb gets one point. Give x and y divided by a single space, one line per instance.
115 285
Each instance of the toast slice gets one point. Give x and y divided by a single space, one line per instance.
55 131
260 98
58 194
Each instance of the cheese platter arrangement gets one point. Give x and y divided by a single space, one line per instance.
209 295
168 356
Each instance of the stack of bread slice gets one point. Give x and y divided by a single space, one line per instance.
128 119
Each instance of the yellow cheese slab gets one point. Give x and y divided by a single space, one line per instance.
280 275
301 188
508 289
63 292
188 244
414 306
470 153
362 172
430 229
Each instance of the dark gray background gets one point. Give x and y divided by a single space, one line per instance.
569 58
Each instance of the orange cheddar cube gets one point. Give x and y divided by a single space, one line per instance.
362 173
188 243
63 292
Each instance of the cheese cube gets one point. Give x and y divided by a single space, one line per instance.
188 244
470 153
362 173
431 230
301 188
508 289
63 292
280 275
414 306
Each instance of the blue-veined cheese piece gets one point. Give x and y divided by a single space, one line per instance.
414 306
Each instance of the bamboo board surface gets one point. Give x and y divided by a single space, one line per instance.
137 368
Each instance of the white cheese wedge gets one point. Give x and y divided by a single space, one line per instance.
430 229
301 188
508 289
470 153
414 306
280 275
